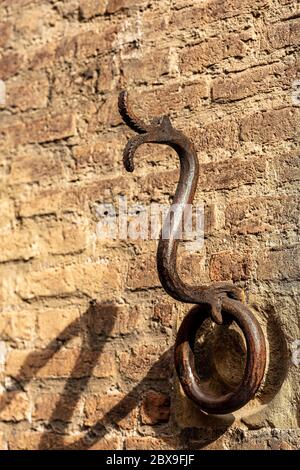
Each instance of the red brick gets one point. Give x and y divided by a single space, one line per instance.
212 51
279 265
270 126
230 266
262 214
155 408
111 409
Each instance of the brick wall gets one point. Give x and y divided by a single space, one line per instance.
86 331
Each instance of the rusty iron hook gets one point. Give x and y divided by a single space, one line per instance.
218 300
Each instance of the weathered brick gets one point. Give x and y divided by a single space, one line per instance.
173 97
6 29
114 6
270 126
150 443
2 442
287 167
64 238
247 83
230 266
52 406
29 166
147 68
146 360
32 440
212 176
18 245
231 173
279 265
186 16
75 198
25 364
163 313
262 214
212 51
111 409
104 153
219 134
58 323
155 408
89 278
7 214
91 8
90 43
29 92
14 406
113 320
10 64
108 443
40 129
143 274
18 326
283 34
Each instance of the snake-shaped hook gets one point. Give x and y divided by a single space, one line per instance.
216 300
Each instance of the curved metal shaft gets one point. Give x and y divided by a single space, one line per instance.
213 300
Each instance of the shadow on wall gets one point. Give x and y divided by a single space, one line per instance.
70 395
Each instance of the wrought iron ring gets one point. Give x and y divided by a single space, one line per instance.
255 362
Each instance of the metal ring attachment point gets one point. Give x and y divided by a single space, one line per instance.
255 362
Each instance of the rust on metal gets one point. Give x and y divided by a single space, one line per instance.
218 300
